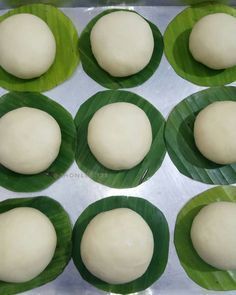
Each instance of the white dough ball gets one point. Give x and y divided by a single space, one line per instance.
213 235
30 140
28 243
27 46
117 246
215 132
122 43
212 41
119 135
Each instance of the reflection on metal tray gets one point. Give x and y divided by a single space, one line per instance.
167 189
96 3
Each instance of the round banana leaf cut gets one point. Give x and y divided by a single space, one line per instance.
123 178
199 271
67 56
60 219
156 221
180 142
92 68
176 41
31 183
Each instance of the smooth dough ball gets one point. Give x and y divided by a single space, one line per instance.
27 46
117 246
122 43
119 135
30 140
212 43
28 243
213 235
215 132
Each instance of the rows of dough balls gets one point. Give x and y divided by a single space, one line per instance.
125 49
111 130
116 246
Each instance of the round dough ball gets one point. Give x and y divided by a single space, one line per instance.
28 243
213 235
27 46
122 43
30 140
212 41
214 132
119 135
117 246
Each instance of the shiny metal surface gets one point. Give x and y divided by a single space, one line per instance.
167 189
4 4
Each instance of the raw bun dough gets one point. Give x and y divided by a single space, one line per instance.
117 246
28 243
215 132
119 135
27 46
122 43
213 235
30 140
212 41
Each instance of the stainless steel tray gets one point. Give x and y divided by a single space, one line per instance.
167 189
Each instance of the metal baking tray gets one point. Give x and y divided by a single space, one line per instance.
168 189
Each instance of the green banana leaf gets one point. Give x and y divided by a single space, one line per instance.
199 271
176 40
158 224
31 183
60 219
124 178
180 142
92 68
67 56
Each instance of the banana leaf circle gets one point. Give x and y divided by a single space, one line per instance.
180 142
199 271
156 221
67 56
31 183
176 40
60 219
124 178
92 68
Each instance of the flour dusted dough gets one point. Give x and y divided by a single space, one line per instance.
117 246
28 243
119 135
215 132
213 234
30 140
122 43
212 41
27 46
